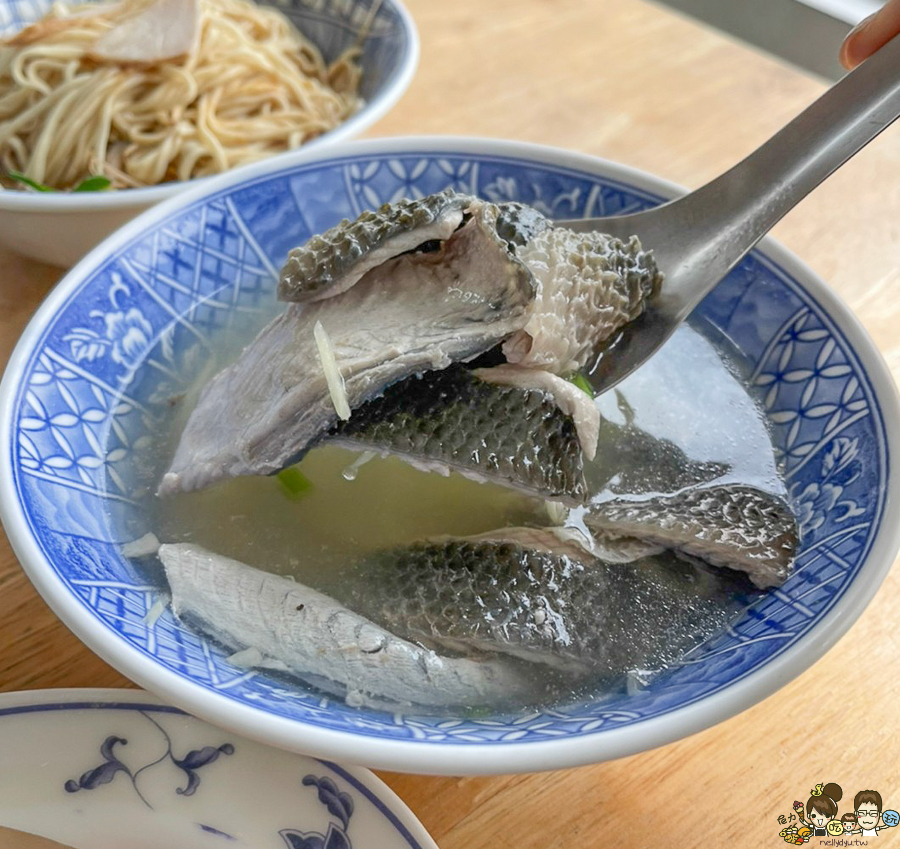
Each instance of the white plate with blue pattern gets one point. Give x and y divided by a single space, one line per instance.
105 351
111 768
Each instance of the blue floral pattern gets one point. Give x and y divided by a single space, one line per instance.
339 804
308 804
111 766
116 351
127 334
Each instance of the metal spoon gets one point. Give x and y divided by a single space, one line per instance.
697 239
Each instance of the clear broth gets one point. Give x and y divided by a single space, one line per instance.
685 418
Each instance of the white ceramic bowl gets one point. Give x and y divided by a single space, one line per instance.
107 348
60 228
108 769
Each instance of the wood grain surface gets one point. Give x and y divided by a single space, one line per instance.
631 82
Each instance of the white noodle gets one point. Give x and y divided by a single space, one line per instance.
253 86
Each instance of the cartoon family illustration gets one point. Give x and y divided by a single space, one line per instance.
820 816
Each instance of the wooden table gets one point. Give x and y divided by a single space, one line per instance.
631 82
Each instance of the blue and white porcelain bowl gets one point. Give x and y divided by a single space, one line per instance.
108 769
105 351
61 228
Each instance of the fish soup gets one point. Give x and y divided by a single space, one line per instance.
343 514
455 522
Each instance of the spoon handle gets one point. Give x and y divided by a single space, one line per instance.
728 216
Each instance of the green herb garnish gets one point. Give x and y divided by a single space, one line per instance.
294 484
579 380
477 712
16 177
96 183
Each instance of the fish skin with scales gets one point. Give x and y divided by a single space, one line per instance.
533 595
735 526
331 262
470 621
451 420
589 286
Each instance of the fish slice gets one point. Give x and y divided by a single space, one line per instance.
697 239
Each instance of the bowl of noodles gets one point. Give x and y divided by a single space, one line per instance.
109 107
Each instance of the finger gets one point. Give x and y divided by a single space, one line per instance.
871 34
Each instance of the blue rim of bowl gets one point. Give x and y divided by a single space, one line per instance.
365 782
476 758
394 88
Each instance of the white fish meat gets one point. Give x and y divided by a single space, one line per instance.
412 314
396 307
314 637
